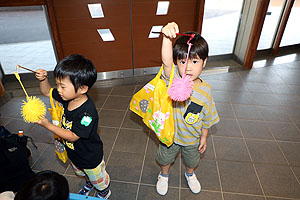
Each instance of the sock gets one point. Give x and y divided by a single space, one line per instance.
164 175
104 192
189 174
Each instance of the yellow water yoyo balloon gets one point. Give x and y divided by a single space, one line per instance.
33 109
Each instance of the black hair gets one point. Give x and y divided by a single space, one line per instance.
79 69
199 47
45 185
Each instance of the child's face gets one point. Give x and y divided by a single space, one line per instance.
193 69
66 89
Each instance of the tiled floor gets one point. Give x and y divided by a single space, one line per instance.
253 153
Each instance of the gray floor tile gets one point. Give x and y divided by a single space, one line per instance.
147 192
225 110
231 149
297 172
247 112
266 152
111 118
99 89
36 152
275 113
288 100
284 131
40 134
123 166
240 98
133 141
117 103
294 114
4 121
235 86
241 197
217 85
99 99
209 152
152 168
203 195
18 124
49 161
108 137
270 198
11 109
227 127
255 129
76 183
290 150
120 190
238 177
280 88
258 88
133 121
265 99
126 90
152 143
221 97
207 175
273 177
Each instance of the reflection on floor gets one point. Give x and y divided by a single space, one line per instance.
253 153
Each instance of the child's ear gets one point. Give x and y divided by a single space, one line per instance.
83 89
204 63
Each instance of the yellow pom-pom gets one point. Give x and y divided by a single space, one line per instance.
33 110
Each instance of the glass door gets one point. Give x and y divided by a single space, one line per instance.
25 39
291 33
220 25
271 24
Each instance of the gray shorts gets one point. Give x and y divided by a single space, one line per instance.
167 155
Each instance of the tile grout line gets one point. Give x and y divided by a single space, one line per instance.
286 160
276 141
118 128
253 165
39 156
139 183
217 166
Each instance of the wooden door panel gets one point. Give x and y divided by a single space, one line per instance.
78 32
146 51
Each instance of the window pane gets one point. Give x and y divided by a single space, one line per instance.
270 24
291 33
221 18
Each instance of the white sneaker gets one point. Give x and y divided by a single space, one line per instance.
162 185
193 183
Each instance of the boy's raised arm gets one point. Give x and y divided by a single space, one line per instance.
169 33
45 86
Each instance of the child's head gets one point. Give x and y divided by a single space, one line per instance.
79 70
197 56
45 185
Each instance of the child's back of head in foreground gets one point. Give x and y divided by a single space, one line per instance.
78 69
45 185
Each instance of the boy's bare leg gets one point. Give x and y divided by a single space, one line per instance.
189 170
165 169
